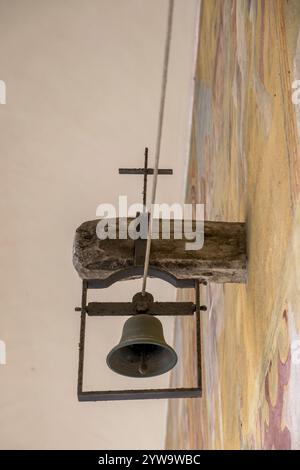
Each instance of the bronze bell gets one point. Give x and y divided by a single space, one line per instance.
142 350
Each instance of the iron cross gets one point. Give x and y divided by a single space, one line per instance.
144 171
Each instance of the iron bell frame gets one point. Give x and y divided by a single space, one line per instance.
127 309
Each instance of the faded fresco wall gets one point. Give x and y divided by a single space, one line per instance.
245 166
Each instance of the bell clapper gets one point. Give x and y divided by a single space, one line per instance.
143 365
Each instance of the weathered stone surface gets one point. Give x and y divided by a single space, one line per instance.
222 259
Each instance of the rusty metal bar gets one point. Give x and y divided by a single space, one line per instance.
159 393
141 171
137 271
198 334
82 337
145 179
106 309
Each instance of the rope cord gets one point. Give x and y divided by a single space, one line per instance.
158 140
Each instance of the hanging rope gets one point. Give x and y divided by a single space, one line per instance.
158 140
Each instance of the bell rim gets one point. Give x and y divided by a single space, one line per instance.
141 341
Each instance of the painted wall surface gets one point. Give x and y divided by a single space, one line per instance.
245 166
